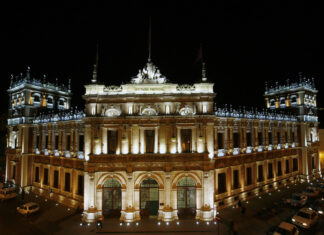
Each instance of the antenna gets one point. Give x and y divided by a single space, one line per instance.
150 40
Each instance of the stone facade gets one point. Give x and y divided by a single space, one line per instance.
197 158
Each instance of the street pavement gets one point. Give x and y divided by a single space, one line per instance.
260 216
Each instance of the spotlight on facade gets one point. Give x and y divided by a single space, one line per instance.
159 223
45 200
136 223
178 222
127 224
36 196
56 204
197 222
207 223
81 224
68 209
260 197
88 224
215 222
270 194
167 223
121 224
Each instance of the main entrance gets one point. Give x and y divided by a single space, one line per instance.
111 197
186 198
149 197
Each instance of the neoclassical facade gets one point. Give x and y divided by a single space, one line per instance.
152 148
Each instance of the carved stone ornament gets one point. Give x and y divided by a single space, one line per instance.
112 112
148 111
185 111
150 74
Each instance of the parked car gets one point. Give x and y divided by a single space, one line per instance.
311 192
28 208
7 193
318 205
305 218
297 199
286 228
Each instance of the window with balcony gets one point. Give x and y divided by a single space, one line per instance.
56 179
220 140
236 140
67 182
149 140
295 164
112 141
236 183
222 183
45 178
37 174
270 171
260 173
248 176
186 140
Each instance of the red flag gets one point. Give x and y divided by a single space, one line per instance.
200 54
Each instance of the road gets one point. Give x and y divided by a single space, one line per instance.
261 215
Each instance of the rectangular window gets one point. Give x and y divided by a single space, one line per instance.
260 173
149 141
68 143
279 168
248 139
248 176
292 137
56 141
220 140
67 182
278 138
287 166
80 185
112 141
270 138
295 164
236 179
186 140
236 139
286 137
222 183
270 171
46 142
14 172
45 179
81 143
37 174
56 179
260 138
37 141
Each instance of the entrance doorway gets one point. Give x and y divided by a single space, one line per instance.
111 197
186 198
149 197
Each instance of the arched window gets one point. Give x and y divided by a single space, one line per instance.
36 98
50 100
272 103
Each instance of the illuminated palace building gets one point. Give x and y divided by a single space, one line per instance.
155 148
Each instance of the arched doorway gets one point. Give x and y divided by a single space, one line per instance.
149 197
186 197
111 197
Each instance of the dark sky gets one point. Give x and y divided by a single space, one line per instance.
244 45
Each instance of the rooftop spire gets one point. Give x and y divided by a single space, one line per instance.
150 40
203 72
95 67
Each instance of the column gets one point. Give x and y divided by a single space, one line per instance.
207 212
178 139
90 211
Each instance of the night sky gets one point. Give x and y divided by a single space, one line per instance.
244 45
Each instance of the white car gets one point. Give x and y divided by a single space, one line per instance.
305 217
311 192
7 193
28 208
286 228
297 199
